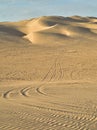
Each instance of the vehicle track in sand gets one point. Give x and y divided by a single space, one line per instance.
39 115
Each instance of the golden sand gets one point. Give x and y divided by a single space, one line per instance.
48 74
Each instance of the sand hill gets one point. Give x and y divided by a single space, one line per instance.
48 74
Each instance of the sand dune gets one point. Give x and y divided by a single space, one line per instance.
45 29
48 74
57 29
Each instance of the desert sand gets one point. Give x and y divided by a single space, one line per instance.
48 74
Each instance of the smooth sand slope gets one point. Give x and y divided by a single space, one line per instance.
48 74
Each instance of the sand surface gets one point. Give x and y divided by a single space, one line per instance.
48 74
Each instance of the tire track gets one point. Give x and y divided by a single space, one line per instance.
49 117
55 72
25 91
49 73
19 92
39 90
63 119
7 94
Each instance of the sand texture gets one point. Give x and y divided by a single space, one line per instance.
48 74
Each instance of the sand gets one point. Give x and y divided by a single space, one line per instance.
48 74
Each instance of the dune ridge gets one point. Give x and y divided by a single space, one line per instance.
58 27
52 28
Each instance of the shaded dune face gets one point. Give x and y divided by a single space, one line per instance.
81 19
78 19
10 31
52 29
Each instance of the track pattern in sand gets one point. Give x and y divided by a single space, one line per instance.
43 108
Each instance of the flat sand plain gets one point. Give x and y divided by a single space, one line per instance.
48 74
